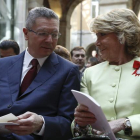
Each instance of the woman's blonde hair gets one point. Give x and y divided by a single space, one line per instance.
124 23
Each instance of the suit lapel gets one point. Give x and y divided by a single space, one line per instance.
14 75
46 72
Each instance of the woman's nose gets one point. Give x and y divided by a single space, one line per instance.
97 42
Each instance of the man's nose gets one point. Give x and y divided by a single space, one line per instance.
80 57
49 38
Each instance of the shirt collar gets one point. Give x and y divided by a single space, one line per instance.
82 70
28 58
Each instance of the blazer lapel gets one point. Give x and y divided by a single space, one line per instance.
14 75
46 72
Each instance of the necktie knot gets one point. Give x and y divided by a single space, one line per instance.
34 62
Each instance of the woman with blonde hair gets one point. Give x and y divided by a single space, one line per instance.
115 83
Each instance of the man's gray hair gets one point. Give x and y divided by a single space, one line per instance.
38 12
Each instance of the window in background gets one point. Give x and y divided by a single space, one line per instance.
94 8
12 20
5 19
80 20
139 15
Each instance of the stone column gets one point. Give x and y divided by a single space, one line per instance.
62 39
20 12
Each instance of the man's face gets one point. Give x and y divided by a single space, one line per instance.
7 52
79 58
39 45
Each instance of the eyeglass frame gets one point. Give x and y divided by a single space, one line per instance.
46 34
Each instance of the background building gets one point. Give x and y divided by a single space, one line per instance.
75 16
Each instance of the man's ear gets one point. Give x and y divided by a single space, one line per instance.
25 31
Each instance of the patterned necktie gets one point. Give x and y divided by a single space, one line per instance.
29 77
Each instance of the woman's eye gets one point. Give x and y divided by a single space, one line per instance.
102 34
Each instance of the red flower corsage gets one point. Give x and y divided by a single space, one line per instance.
136 65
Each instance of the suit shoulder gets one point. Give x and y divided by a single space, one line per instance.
6 59
9 60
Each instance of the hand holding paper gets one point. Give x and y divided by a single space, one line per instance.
29 123
83 116
5 120
101 123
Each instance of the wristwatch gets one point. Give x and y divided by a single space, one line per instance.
128 128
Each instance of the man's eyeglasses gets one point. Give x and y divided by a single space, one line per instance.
45 34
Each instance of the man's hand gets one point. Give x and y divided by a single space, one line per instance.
83 117
29 122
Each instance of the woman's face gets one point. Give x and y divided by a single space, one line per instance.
109 46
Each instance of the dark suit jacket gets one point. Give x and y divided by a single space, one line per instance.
48 95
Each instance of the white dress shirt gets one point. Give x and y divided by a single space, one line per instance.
26 67
27 63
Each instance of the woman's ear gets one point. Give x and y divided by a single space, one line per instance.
25 31
121 38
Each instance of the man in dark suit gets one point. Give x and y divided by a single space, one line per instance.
78 56
45 108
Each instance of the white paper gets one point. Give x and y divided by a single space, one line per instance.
8 117
101 123
4 121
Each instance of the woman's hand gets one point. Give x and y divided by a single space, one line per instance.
117 125
83 117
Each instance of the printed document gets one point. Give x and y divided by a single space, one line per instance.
101 123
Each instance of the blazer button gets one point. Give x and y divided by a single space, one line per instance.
9 106
111 100
117 68
113 84
112 118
